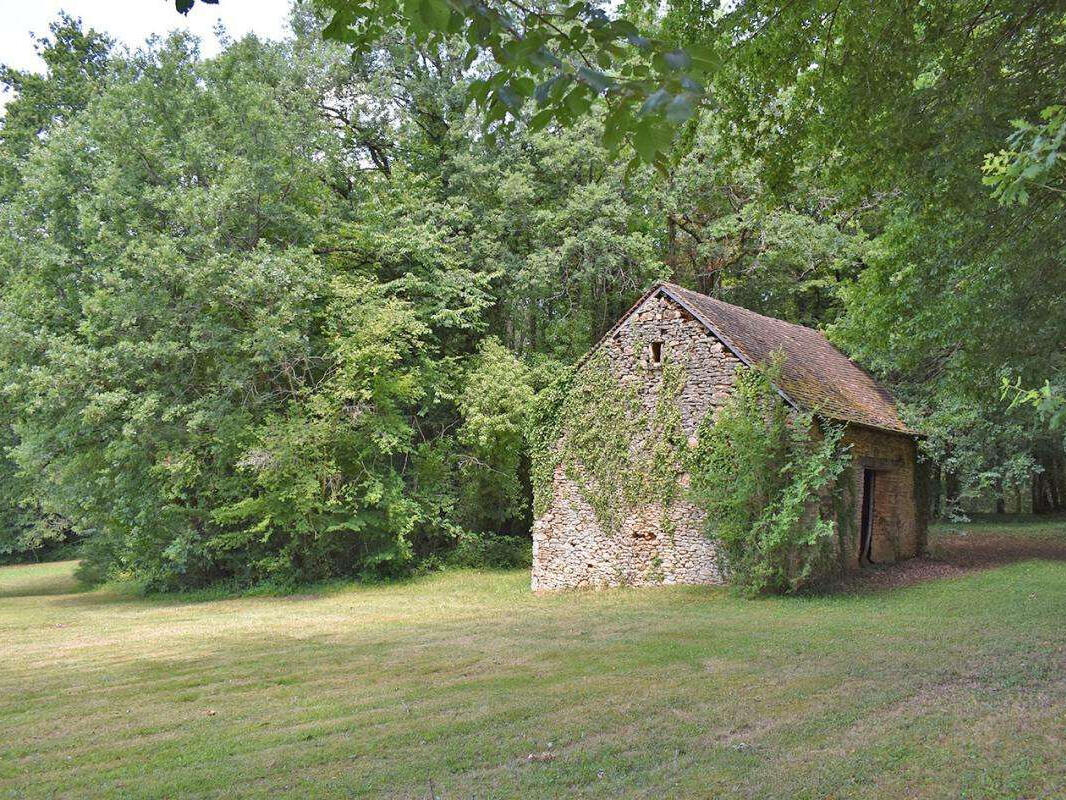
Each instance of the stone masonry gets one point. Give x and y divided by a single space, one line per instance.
898 528
570 548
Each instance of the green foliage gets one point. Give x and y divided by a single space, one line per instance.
328 491
858 134
495 406
77 64
218 369
492 551
762 473
618 452
560 60
279 314
1048 401
1033 159
733 236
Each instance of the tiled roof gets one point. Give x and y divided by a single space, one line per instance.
814 376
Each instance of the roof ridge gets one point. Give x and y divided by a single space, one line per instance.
818 375
746 346
744 309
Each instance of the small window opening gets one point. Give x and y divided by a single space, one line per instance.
656 352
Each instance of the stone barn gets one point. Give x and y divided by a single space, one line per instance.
581 541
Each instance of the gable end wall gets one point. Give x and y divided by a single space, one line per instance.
570 548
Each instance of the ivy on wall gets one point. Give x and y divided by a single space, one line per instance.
771 480
616 450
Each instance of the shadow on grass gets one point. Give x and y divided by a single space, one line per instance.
960 549
955 549
132 592
48 585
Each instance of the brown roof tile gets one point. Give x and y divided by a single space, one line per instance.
814 376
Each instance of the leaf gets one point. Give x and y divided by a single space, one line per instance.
612 136
478 90
338 28
574 9
639 41
185 6
523 86
680 108
437 14
691 85
677 59
644 142
704 59
541 119
543 59
509 97
543 90
597 80
655 100
577 100
416 22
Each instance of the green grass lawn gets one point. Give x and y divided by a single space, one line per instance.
948 688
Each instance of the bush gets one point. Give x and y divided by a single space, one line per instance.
764 474
493 552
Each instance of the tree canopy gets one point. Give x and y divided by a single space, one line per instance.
282 313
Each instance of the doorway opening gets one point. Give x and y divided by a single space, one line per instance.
866 533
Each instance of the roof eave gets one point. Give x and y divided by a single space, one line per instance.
667 290
872 426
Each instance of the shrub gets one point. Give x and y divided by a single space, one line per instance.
764 474
491 551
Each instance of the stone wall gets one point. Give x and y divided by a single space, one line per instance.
570 548
898 521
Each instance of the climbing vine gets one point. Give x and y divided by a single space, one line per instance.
768 478
617 451
771 480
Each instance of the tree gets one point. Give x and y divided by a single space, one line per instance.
76 64
221 366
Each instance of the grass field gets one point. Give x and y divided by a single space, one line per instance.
445 686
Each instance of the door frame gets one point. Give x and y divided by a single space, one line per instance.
866 516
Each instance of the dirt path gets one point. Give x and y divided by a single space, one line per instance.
956 553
